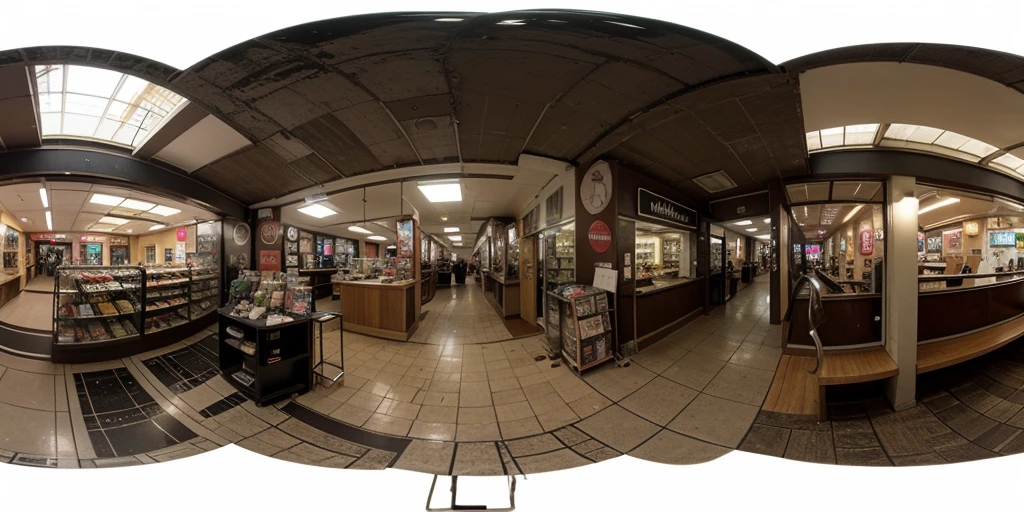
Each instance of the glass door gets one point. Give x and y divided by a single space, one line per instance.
717 264
119 255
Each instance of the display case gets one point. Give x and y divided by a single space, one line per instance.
345 251
665 257
97 304
11 240
204 296
167 298
559 256
512 257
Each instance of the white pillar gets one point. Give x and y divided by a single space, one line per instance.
901 287
785 253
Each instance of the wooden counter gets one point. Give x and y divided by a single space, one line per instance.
502 296
378 309
656 311
10 287
956 311
849 321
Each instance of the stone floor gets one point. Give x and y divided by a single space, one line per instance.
30 310
459 314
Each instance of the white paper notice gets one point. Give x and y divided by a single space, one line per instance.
606 279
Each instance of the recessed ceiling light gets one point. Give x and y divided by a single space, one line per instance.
133 204
67 173
42 196
455 238
446 20
451 230
23 219
106 200
744 223
49 221
103 227
444 218
457 244
940 204
165 211
853 212
358 229
317 210
442 192
129 230
156 227
376 237
751 230
113 220
768 220
392 246
764 237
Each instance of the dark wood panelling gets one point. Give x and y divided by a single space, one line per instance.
951 313
848 321
586 256
659 309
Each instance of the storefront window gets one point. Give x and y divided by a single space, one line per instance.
664 256
560 256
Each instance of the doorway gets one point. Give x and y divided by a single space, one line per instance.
44 251
717 264
119 255
91 254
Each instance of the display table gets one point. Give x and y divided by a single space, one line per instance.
283 361
378 309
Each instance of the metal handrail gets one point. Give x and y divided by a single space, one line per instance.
815 314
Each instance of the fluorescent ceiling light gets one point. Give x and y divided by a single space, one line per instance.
764 237
854 212
358 229
49 221
113 220
457 244
744 223
133 204
751 230
940 204
768 220
447 20
128 230
392 246
165 211
455 238
376 237
451 230
103 227
440 192
106 200
156 227
42 196
317 210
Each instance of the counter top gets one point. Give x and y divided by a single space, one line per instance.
665 285
330 270
375 283
4 278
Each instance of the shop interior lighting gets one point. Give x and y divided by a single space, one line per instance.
455 238
133 204
744 223
358 229
441 192
376 237
49 221
940 204
165 211
448 20
852 213
451 230
317 210
457 244
768 220
42 196
106 200
106 228
751 230
113 220
156 227
763 237
24 219
392 246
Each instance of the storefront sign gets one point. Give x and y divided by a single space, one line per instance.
182 234
867 242
118 240
654 206
93 239
596 188
600 236
47 237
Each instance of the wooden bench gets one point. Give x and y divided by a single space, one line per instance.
852 367
940 354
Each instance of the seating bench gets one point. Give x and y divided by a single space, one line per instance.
940 354
852 367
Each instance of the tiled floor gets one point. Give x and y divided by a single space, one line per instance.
41 283
29 310
460 314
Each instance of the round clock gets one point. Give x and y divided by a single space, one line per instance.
293 233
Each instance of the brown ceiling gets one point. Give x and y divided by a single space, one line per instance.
343 97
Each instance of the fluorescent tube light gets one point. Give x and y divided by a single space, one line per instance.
113 220
133 204
940 204
376 237
392 246
164 211
156 227
317 210
441 192
42 195
455 238
744 223
451 230
854 212
768 220
106 200
751 230
358 229
764 237
49 221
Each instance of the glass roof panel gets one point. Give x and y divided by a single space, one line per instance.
860 134
925 135
951 140
832 137
125 104
1010 161
900 131
978 148
813 141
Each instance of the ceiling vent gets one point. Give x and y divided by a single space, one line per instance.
715 182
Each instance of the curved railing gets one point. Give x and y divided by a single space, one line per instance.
815 314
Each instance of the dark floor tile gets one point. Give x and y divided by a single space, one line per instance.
811 446
174 427
208 347
193 362
862 457
152 409
964 452
106 392
900 433
1015 446
219 407
90 422
846 411
966 421
133 387
1017 397
120 418
766 440
165 375
180 387
996 436
791 421
100 445
993 386
236 398
918 459
854 434
1003 411
976 398
138 439
940 402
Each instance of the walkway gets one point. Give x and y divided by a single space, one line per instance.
457 315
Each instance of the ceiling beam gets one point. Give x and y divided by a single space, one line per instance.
180 121
879 133
18 110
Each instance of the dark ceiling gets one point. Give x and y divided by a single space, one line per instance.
343 97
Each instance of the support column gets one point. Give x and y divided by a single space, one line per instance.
778 215
901 287
780 232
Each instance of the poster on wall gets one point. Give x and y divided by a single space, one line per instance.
953 241
920 242
867 241
553 207
179 252
406 249
596 188
600 236
270 260
168 255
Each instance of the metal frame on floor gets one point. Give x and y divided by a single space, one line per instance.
454 490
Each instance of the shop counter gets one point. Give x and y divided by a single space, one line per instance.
502 295
850 321
658 309
10 287
978 302
386 310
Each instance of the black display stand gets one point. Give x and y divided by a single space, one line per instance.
283 361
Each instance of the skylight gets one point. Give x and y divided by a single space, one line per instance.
93 103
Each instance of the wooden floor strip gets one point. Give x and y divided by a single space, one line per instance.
794 390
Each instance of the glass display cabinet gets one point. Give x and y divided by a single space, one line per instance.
97 304
512 269
559 256
11 239
167 298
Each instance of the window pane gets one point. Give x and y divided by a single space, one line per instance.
50 79
80 126
131 89
832 137
978 148
1009 161
925 135
806 192
51 123
117 111
951 140
87 105
813 141
126 135
107 129
93 81
50 102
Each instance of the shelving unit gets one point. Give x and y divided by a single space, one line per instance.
97 304
266 364
582 324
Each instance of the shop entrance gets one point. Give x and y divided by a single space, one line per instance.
717 263
49 256
90 254
119 255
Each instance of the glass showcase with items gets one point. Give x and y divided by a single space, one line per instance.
664 256
11 239
559 256
512 241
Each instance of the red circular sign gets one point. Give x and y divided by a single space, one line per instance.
182 234
600 236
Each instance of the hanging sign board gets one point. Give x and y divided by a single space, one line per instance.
118 240
93 239
600 236
182 234
596 188
653 206
45 237
867 242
